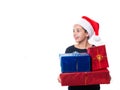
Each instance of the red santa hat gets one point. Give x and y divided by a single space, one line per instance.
91 26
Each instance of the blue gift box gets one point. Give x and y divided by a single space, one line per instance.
75 62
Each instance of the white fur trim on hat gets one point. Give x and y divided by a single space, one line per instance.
86 25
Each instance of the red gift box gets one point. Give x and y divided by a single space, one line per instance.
85 78
98 77
72 79
99 57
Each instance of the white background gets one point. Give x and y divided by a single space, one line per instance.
34 32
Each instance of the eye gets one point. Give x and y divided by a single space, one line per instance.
78 30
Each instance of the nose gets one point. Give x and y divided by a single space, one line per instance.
74 33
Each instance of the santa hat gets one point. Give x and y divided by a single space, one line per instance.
91 26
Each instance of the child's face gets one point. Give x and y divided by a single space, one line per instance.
79 33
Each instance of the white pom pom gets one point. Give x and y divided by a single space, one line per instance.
97 38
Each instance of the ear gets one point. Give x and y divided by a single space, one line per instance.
87 35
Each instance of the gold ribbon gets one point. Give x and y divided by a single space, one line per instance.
99 57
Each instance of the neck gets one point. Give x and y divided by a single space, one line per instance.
83 45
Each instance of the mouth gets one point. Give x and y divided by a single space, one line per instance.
76 38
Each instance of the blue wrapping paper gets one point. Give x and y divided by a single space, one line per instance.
75 62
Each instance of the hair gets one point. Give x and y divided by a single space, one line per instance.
85 31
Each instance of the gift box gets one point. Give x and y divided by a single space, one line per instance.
75 62
85 78
98 57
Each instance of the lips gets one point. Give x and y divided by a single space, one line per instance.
76 38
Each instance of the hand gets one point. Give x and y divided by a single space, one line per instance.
59 79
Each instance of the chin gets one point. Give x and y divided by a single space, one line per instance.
77 41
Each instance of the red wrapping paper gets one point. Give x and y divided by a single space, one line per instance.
72 79
98 57
85 78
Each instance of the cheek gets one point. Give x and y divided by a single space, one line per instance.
77 34
80 35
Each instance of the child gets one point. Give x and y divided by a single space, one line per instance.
82 31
